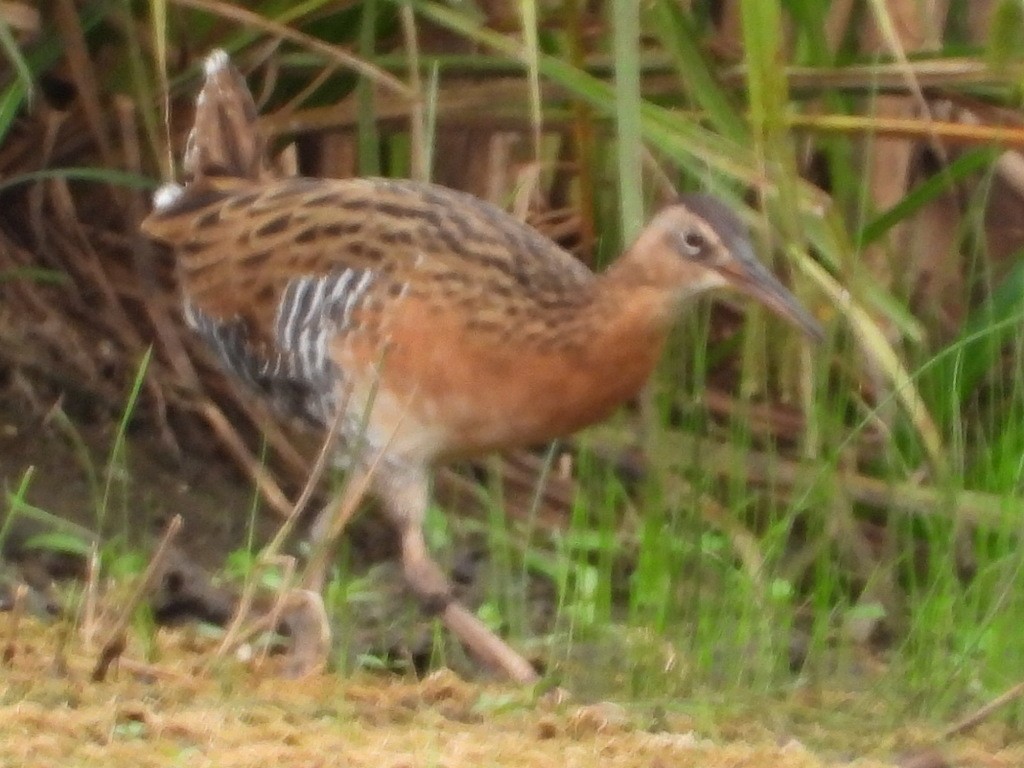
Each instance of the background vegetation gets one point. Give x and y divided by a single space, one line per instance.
771 513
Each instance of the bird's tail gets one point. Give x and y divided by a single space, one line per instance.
224 140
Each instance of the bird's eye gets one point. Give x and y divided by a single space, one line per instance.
693 242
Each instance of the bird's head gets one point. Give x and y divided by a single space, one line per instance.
697 243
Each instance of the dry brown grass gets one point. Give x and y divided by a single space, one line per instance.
165 714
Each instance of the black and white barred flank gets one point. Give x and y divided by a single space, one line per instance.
296 373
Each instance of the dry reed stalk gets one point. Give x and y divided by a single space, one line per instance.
14 624
982 713
117 640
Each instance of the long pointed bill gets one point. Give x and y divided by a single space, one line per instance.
750 276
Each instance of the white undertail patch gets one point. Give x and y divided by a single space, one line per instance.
167 195
215 61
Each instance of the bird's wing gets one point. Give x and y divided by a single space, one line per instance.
241 245
274 270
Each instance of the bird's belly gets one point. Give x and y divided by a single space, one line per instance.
441 388
469 401
430 427
498 414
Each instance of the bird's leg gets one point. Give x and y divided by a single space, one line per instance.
405 500
304 614
486 645
328 527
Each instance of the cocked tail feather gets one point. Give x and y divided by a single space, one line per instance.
224 140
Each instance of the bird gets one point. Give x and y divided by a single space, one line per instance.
425 324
